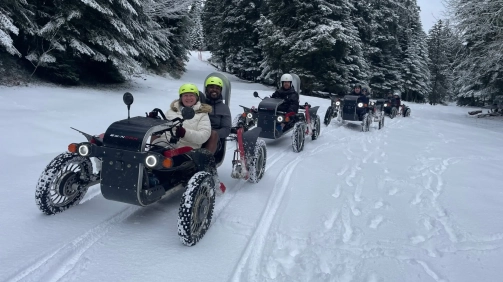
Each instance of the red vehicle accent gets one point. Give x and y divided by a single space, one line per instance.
176 152
308 119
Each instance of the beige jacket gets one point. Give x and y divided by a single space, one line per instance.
197 129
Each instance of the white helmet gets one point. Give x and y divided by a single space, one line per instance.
286 77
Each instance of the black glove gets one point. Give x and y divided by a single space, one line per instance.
180 132
153 115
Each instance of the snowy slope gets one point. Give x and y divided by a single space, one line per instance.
419 200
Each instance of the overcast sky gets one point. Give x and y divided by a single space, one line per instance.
431 12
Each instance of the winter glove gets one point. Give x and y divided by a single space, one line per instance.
152 115
180 132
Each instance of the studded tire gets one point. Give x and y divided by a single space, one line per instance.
61 184
196 208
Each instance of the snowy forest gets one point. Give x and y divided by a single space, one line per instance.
330 44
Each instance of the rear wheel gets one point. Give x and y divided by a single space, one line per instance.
316 128
328 116
298 137
381 122
256 164
196 208
367 121
63 183
407 112
394 111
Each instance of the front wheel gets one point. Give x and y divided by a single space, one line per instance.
407 112
316 128
298 137
381 122
196 208
63 183
256 164
328 116
393 113
367 121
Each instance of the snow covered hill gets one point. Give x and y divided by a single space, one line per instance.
420 200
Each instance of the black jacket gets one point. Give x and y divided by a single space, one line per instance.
291 98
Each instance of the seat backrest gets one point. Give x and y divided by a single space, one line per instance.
202 97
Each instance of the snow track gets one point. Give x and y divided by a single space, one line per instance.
66 261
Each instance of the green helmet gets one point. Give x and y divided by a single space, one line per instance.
214 80
188 88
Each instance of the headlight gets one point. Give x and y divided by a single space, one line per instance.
280 118
151 161
385 105
337 103
84 150
372 103
360 105
249 115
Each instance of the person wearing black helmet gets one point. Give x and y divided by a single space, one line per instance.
356 90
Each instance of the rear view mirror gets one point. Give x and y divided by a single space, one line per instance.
255 94
128 99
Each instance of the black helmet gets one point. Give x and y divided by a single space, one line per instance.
365 89
358 86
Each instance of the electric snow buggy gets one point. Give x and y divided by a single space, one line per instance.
130 170
354 110
392 108
267 117
334 110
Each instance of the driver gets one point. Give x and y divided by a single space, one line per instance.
195 131
289 95
220 116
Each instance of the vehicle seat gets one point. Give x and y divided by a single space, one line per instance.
202 97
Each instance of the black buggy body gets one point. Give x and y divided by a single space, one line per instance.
353 109
125 174
269 119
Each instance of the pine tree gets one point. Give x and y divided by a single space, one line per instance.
385 52
439 66
481 31
212 21
15 17
316 40
414 60
196 35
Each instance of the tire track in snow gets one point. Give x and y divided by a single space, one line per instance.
57 264
251 258
252 254
224 200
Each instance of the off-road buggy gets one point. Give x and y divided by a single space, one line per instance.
130 170
268 117
353 109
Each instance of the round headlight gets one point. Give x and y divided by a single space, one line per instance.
372 103
280 119
385 105
249 115
337 103
84 150
151 161
360 105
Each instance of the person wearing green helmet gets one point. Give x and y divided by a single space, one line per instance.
220 116
194 132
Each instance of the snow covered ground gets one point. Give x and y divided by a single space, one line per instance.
420 200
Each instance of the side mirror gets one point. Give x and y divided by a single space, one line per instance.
255 94
128 99
188 113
